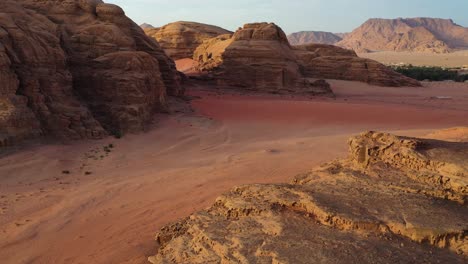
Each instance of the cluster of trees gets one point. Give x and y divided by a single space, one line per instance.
422 73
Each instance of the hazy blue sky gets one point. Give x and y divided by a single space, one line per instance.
291 15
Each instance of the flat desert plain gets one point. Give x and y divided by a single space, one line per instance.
102 201
450 60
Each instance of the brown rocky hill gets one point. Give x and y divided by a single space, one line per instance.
180 39
308 37
77 70
411 34
393 200
259 56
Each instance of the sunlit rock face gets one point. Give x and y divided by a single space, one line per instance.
393 200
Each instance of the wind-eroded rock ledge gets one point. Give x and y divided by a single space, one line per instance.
394 200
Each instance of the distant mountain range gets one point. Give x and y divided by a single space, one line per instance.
319 37
146 26
433 35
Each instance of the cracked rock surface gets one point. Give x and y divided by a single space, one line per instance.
393 200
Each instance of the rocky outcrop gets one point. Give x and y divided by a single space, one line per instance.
76 70
209 55
394 200
180 39
331 62
412 34
309 37
259 57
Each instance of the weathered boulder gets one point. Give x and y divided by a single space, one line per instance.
394 200
180 39
53 53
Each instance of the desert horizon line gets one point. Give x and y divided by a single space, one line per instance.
305 30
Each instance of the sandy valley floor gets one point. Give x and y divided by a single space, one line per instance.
145 181
454 59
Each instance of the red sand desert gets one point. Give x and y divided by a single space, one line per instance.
186 160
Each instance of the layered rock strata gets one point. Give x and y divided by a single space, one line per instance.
394 200
76 70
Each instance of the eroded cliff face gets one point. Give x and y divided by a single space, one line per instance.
394 200
77 69
256 57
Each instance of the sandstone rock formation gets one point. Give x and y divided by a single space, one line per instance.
77 69
259 57
411 34
180 39
309 37
394 200
209 55
331 62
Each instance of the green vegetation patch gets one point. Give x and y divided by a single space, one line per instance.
422 73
